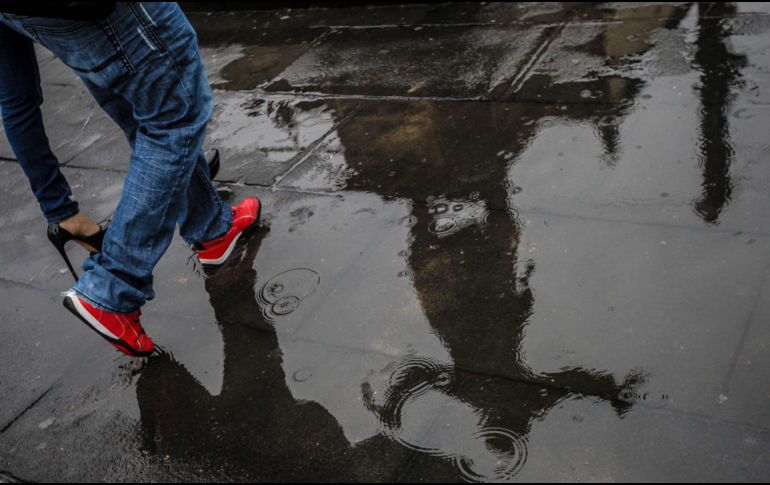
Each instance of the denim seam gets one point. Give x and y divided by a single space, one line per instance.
38 83
75 27
215 199
32 32
152 32
109 31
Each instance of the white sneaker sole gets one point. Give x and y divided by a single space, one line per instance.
87 317
223 258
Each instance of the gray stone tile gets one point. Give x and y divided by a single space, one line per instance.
655 163
618 448
252 28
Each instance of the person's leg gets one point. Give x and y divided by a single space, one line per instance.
171 103
20 100
148 56
195 223
118 108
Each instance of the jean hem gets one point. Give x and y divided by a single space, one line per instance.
99 305
226 223
64 216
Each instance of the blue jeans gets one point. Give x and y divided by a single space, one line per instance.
143 67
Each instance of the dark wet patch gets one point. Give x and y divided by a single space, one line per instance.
257 66
267 27
354 16
509 12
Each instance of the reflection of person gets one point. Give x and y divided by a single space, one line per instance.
254 423
473 280
480 316
254 429
141 63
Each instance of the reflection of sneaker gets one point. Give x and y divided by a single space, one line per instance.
123 331
216 251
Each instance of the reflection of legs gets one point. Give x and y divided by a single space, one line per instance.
20 100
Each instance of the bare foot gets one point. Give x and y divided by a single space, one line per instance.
80 225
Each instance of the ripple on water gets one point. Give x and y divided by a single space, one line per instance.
407 381
507 454
631 396
452 216
408 221
492 453
282 294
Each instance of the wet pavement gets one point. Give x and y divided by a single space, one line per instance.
500 242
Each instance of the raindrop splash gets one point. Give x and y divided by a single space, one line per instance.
282 294
452 216
505 454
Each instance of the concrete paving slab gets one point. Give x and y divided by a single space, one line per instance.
742 399
551 447
668 304
259 27
559 159
458 61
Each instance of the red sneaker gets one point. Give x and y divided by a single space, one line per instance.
123 331
216 251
